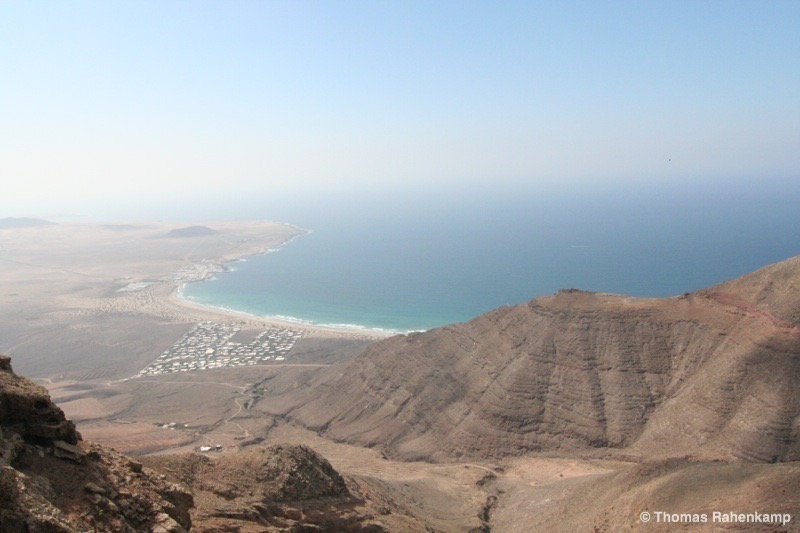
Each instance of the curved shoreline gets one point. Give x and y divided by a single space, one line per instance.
205 270
292 321
110 333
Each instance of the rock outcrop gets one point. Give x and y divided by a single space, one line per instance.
53 481
26 410
712 373
292 473
278 488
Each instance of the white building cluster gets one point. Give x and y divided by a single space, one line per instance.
197 272
208 345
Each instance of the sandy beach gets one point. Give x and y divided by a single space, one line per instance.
93 312
101 301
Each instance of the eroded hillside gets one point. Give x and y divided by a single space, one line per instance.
712 374
51 480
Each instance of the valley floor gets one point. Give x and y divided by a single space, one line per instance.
604 490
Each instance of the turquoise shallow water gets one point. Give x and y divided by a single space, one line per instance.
425 262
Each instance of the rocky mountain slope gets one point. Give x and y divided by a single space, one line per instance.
677 404
267 489
51 480
712 374
712 494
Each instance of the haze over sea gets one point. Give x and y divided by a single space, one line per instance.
407 262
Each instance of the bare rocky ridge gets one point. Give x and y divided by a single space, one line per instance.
711 374
773 291
27 412
267 489
53 481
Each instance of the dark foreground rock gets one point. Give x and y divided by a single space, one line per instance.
53 481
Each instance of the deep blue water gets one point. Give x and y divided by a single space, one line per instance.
411 261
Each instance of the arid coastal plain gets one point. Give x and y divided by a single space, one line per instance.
579 411
110 291
95 307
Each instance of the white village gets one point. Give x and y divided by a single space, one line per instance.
208 346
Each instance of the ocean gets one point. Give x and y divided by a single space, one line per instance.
417 261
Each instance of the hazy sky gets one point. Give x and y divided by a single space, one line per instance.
103 101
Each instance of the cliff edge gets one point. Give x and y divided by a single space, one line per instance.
53 481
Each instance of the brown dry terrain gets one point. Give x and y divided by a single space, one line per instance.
65 321
50 485
574 412
53 481
711 374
